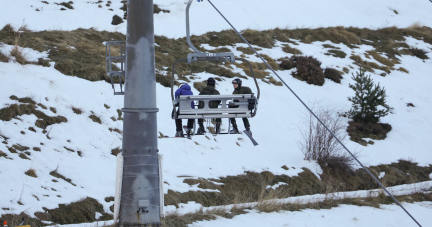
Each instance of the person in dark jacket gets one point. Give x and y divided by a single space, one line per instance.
209 90
239 89
184 89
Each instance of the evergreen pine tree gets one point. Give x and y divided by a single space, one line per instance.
368 103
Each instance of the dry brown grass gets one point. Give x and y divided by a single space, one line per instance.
19 56
290 50
31 173
15 110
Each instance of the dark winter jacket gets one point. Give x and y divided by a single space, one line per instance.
209 90
185 90
242 90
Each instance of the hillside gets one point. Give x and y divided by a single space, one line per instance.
62 120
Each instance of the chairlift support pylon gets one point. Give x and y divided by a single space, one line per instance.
245 105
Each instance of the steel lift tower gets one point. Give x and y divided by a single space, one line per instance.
138 195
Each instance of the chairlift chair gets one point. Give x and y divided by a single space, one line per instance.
232 106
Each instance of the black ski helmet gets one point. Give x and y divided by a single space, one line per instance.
211 81
237 81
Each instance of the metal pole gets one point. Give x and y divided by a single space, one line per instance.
140 198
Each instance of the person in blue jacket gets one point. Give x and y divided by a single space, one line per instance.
184 89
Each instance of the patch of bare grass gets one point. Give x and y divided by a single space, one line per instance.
290 50
95 118
54 173
31 173
82 211
15 110
115 151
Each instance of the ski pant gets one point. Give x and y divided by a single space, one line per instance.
179 126
245 122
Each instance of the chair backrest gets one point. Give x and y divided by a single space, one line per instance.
229 105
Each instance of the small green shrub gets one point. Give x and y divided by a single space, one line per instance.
369 101
333 75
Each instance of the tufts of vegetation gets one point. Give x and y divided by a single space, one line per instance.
308 69
115 151
116 20
42 106
3 58
17 53
81 211
157 9
359 130
106 106
247 50
116 130
416 52
36 149
336 53
199 86
109 199
333 75
119 112
31 173
290 50
44 62
16 219
23 100
54 173
76 110
23 156
2 154
95 118
53 109
66 4
15 110
32 129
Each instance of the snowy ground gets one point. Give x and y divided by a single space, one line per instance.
275 127
348 215
253 14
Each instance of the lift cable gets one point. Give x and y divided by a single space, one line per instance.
268 66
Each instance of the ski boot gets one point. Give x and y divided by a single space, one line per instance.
201 129
179 134
189 133
218 124
235 129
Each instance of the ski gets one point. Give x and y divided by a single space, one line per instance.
250 137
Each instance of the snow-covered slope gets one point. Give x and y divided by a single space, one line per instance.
253 14
275 127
